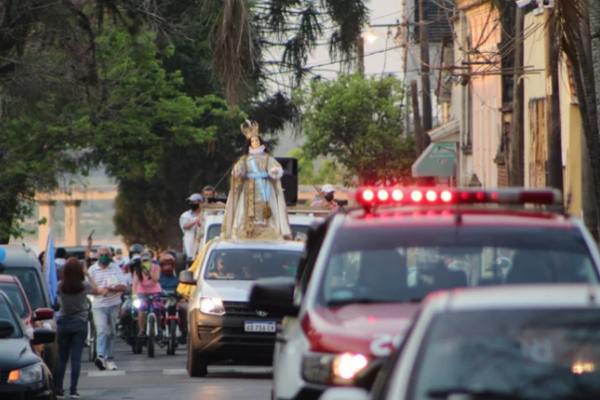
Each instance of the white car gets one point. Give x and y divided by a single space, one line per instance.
222 326
516 342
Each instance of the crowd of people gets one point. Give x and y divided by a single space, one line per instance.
99 285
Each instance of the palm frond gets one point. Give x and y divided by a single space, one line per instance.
350 17
236 50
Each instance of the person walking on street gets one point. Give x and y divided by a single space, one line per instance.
72 328
110 281
189 223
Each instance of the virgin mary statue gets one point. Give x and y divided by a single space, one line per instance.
256 206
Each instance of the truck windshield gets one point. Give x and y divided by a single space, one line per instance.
249 265
385 266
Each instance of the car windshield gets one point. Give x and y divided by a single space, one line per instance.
537 354
299 232
7 314
16 297
31 283
249 265
387 265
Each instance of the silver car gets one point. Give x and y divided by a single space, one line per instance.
222 326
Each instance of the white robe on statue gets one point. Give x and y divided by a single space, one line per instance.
256 206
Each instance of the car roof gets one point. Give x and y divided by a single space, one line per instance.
469 216
253 244
19 255
515 297
8 279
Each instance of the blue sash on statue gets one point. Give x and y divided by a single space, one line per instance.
259 177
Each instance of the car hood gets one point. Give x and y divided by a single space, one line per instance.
227 290
370 329
16 353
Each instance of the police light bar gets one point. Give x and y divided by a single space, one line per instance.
372 196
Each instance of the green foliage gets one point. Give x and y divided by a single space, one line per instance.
125 84
358 123
327 172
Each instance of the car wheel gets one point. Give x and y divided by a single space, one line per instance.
196 364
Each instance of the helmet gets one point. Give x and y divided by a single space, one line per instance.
136 249
172 252
167 263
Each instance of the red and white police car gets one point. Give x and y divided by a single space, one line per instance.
365 271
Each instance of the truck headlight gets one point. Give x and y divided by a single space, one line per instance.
211 305
333 369
31 374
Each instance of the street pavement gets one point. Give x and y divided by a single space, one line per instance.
165 378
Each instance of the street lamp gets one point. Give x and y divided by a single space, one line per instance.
370 36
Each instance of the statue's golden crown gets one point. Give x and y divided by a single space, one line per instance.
249 129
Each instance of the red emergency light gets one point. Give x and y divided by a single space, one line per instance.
369 197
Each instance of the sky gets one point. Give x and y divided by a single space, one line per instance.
383 56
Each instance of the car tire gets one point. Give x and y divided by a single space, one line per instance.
196 364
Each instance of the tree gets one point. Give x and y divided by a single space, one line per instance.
573 31
51 92
245 31
358 123
327 172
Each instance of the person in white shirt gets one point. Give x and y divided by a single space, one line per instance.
105 306
119 258
189 223
60 259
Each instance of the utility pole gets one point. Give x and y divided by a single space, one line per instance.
425 70
414 91
555 167
516 155
361 55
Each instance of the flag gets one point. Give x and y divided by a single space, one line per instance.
50 268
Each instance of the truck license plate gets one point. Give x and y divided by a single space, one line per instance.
250 326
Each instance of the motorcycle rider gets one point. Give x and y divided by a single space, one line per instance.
146 286
125 315
169 281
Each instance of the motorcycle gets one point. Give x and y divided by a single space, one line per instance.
171 322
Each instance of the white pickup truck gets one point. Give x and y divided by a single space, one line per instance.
300 217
